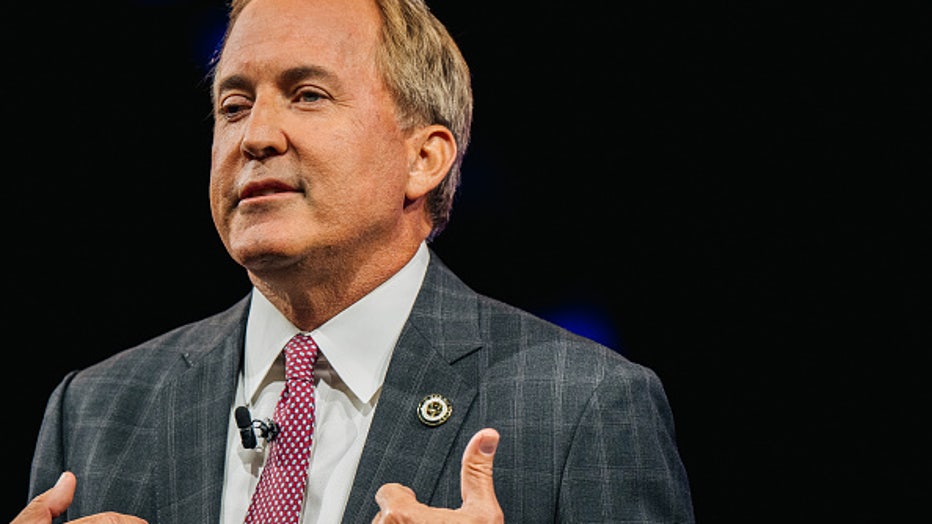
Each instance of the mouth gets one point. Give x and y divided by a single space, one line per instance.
265 188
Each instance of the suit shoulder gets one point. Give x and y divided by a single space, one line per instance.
162 353
511 330
451 306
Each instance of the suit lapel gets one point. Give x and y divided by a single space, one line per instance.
428 359
195 419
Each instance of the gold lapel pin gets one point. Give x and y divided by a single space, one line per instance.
434 410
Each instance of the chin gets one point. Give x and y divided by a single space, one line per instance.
264 255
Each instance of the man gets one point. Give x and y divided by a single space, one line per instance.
339 130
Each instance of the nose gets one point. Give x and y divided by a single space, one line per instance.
263 135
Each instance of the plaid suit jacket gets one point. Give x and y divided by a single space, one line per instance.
586 435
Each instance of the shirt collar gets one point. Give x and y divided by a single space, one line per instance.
357 342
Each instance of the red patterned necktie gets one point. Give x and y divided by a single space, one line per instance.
280 492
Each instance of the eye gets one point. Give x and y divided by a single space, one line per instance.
234 106
309 96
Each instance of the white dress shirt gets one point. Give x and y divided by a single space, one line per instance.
354 350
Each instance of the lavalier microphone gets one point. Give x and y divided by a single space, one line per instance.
268 429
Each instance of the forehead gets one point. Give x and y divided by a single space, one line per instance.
334 34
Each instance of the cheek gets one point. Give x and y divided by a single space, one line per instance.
376 172
220 182
215 191
389 162
224 154
218 210
222 145
382 182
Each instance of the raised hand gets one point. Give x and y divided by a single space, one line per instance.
53 502
398 504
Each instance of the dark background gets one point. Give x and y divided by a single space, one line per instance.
729 193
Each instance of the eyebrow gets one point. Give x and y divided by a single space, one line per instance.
297 74
288 77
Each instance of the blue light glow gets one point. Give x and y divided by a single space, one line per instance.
588 321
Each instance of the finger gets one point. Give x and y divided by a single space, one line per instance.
50 503
394 493
396 503
109 518
476 474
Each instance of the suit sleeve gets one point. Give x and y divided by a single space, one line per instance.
48 458
623 463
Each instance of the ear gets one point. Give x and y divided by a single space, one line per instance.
432 150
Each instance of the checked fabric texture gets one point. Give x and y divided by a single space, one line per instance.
280 491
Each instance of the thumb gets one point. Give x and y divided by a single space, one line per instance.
476 484
50 503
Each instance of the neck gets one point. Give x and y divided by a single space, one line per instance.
310 294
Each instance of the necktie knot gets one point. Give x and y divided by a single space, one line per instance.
300 355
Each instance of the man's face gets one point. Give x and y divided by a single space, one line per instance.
308 158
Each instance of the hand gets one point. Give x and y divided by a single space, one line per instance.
398 504
52 503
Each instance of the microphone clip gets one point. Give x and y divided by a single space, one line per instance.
268 429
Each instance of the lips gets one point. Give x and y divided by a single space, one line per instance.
263 188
